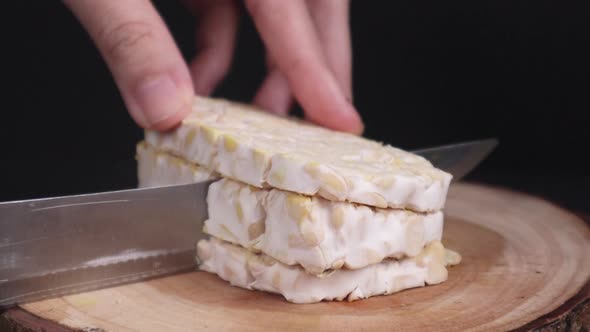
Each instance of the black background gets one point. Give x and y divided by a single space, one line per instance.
425 73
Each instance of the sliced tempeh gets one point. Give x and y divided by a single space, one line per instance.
265 150
245 269
156 168
313 232
310 231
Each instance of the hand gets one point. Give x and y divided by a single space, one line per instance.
308 55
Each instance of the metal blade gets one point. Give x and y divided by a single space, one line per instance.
461 158
56 246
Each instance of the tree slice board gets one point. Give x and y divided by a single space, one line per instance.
525 264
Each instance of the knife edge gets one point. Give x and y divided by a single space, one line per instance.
83 279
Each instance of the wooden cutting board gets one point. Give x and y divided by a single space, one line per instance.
526 264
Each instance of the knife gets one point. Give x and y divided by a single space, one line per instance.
65 245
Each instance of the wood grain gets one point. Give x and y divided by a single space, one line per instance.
525 266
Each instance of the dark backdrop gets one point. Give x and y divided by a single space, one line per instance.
425 73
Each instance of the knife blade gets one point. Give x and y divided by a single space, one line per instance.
460 158
64 245
57 246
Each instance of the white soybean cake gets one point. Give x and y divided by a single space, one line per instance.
265 150
157 168
242 268
313 232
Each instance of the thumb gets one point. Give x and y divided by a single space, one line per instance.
141 54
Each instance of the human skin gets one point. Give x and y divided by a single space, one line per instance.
307 44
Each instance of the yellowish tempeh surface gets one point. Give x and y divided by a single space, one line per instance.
245 269
265 150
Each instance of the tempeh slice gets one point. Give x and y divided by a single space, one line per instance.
157 168
248 270
313 232
264 150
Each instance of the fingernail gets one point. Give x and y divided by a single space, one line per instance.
355 120
160 98
350 110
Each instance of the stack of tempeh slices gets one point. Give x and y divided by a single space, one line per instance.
303 211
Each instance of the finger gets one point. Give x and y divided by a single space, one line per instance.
289 35
142 56
274 94
216 35
331 19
